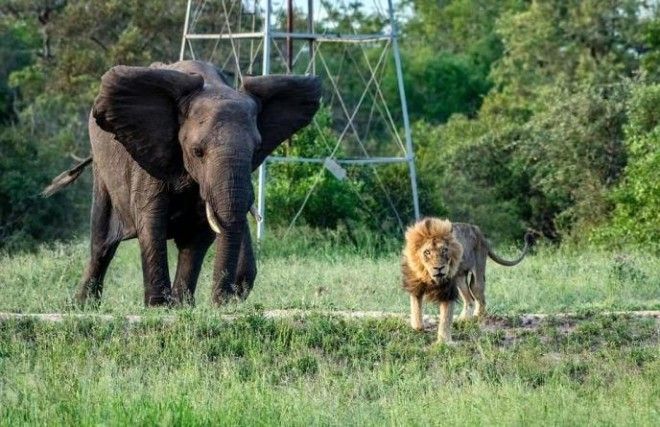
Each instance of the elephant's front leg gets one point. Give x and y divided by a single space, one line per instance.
152 236
189 264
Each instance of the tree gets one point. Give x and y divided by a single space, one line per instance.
636 198
59 50
547 144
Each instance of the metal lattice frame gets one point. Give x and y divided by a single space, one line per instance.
265 41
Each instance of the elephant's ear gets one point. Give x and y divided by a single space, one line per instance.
288 104
140 106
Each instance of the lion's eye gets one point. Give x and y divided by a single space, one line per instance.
427 253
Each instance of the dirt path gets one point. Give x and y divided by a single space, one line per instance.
516 323
512 327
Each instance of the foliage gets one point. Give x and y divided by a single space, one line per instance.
439 85
26 218
471 176
57 54
15 46
526 114
448 48
636 198
548 147
369 198
573 153
331 202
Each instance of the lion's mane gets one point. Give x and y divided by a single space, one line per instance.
416 278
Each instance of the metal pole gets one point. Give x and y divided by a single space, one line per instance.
266 58
261 204
289 40
185 31
310 29
289 51
404 110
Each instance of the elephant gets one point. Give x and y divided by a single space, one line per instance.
173 147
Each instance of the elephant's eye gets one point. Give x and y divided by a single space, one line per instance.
198 152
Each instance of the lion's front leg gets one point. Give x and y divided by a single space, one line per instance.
416 317
444 322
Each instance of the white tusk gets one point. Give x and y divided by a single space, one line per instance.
210 217
255 213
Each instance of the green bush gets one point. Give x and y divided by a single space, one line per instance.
330 202
472 176
27 164
525 114
636 215
439 85
370 198
15 44
573 152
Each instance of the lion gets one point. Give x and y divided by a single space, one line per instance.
441 260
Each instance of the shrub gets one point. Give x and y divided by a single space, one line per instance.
636 198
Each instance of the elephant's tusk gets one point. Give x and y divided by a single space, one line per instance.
210 217
255 213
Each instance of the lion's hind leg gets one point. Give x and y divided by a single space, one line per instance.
478 290
463 285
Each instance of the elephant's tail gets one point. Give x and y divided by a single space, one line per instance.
66 178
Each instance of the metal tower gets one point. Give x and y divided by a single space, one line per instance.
240 37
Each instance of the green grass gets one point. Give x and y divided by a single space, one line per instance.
312 275
323 370
204 370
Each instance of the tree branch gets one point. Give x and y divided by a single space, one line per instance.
98 42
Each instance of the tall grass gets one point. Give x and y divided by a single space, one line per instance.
203 370
307 270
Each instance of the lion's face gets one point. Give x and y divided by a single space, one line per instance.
432 252
436 258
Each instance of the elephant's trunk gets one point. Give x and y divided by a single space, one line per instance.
227 205
228 245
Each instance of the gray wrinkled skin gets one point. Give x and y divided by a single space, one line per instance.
168 139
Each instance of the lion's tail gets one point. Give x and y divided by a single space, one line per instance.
529 238
66 178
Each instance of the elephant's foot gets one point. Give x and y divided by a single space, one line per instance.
238 293
88 294
159 297
182 296
225 296
159 301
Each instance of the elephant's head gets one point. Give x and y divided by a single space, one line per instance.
184 120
